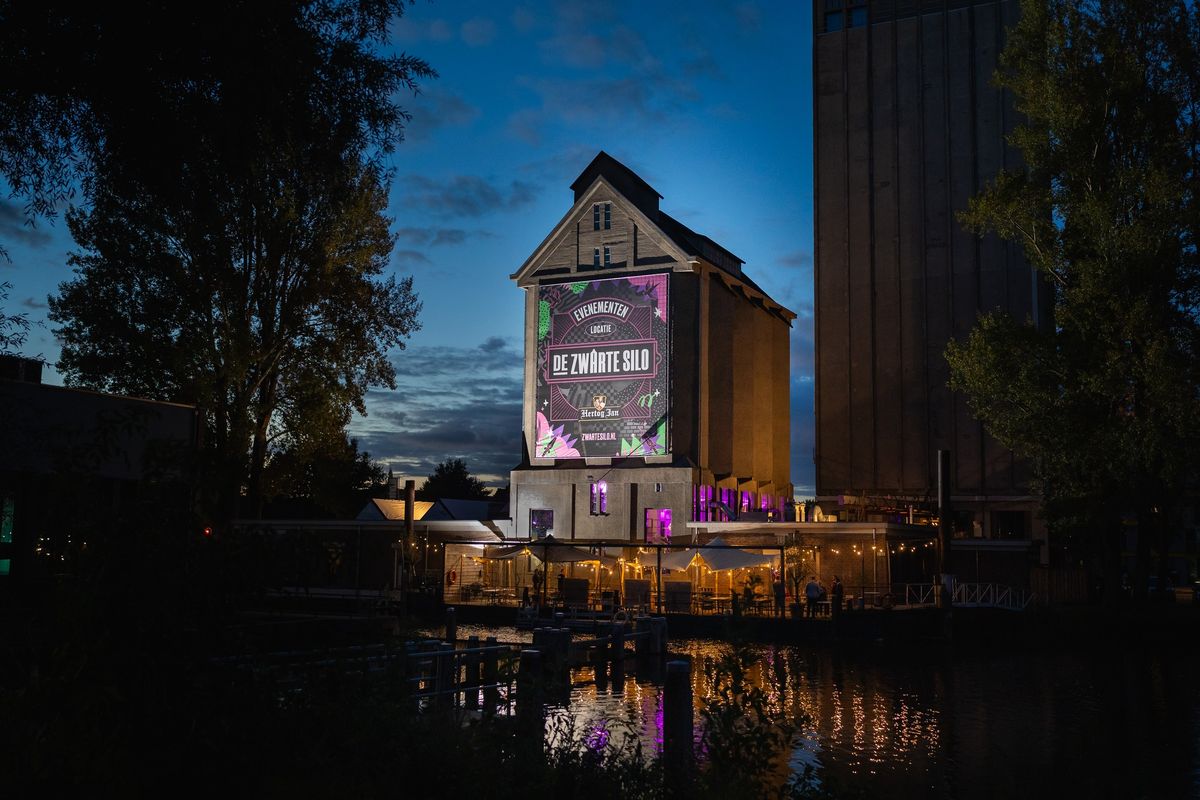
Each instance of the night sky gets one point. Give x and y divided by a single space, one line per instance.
709 102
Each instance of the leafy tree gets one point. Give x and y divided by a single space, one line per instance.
452 480
1105 207
323 478
234 251
14 328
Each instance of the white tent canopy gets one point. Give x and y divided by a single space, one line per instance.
547 553
716 557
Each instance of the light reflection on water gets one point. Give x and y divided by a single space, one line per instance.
935 724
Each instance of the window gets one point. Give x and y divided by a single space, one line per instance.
607 216
599 497
658 525
608 256
858 17
596 217
596 257
541 522
833 21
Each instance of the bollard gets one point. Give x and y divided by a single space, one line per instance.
677 723
445 675
451 625
599 667
491 675
617 644
471 681
639 641
529 695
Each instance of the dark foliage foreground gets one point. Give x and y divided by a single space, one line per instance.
93 707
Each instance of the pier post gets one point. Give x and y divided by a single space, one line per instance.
451 625
445 675
617 644
471 681
491 675
677 723
529 697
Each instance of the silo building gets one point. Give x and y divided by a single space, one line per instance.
908 126
656 375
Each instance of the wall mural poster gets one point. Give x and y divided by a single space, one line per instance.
602 373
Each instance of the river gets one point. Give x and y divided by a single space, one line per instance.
955 723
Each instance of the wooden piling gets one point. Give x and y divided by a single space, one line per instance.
445 675
529 694
451 625
471 679
677 722
491 675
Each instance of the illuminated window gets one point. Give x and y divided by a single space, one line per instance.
658 525
541 522
596 217
607 216
599 497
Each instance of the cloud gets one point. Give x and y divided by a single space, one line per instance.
14 227
438 237
464 195
450 402
408 30
433 109
493 344
478 31
749 18
410 257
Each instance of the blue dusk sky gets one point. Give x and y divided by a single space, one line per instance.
709 102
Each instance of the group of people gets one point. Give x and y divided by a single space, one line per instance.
814 593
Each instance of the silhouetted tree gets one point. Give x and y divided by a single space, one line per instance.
234 251
1106 208
321 479
452 480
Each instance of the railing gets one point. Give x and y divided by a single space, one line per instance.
992 595
982 595
920 594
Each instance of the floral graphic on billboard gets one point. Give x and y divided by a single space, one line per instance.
602 370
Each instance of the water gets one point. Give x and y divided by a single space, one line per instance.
951 723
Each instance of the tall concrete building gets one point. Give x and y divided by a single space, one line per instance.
908 127
656 375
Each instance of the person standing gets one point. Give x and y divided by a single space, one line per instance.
812 593
837 593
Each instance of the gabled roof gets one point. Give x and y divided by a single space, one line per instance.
640 201
392 509
621 178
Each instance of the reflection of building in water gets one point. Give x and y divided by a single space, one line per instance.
656 375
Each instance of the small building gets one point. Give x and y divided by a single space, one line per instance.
78 463
656 374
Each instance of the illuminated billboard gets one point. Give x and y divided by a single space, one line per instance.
602 368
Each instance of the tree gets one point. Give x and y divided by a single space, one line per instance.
322 478
1106 209
452 480
234 251
14 328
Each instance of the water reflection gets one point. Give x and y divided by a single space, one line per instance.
947 725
